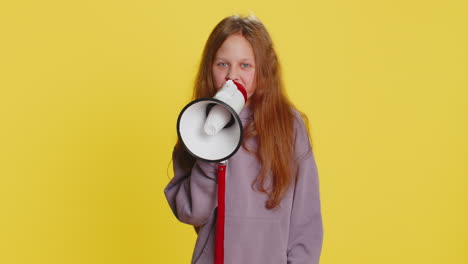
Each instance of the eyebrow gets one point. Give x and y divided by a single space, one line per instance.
243 59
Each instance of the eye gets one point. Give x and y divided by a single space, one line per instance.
222 64
245 65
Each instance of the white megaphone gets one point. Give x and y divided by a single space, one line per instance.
210 128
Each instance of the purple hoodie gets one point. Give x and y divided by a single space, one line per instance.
289 234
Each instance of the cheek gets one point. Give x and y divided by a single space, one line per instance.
218 78
250 81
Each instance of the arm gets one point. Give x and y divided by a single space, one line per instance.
192 196
306 229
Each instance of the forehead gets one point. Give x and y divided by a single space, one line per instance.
235 46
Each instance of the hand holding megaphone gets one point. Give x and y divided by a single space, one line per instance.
201 125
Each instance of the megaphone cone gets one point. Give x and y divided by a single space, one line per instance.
210 128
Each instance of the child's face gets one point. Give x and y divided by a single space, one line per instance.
235 60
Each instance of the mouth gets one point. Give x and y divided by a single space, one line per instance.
236 82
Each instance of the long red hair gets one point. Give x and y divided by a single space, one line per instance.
273 115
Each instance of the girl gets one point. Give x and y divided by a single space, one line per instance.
272 211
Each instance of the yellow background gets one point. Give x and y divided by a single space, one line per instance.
90 92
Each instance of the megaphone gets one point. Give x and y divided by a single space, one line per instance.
210 128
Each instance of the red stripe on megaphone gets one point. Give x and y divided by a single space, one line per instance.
241 89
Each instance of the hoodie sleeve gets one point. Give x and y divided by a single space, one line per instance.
306 229
192 196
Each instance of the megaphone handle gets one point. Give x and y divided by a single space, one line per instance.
219 238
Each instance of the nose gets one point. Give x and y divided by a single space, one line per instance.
232 74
